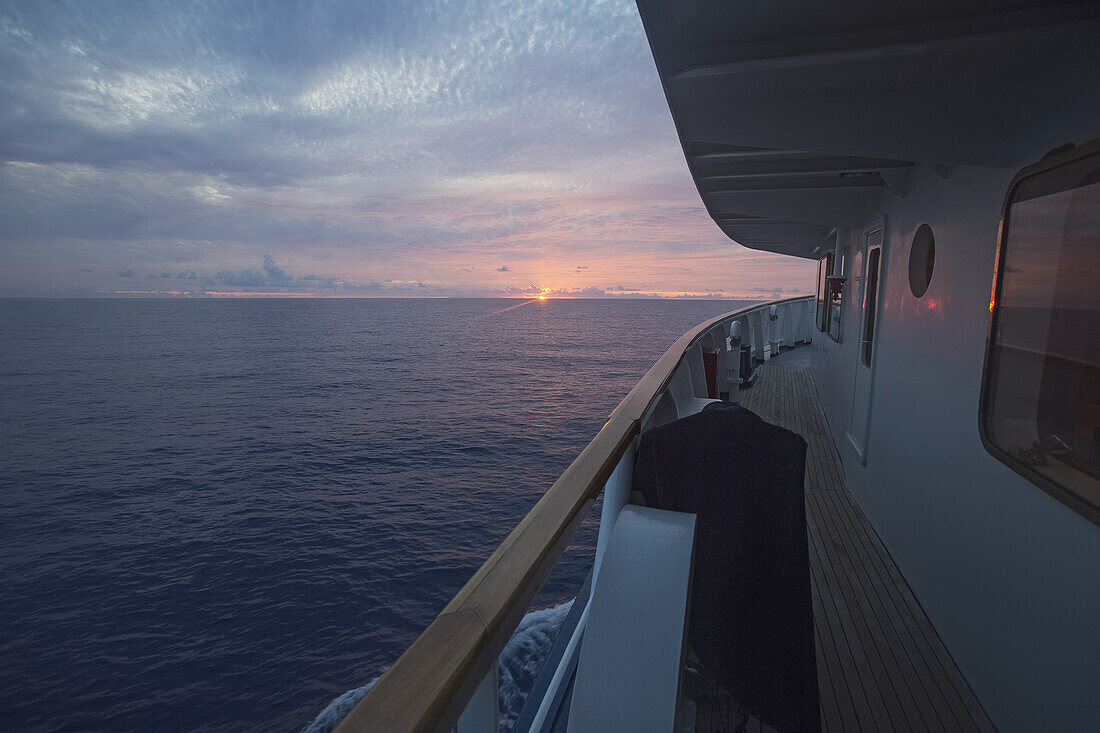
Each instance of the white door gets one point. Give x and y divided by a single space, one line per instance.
866 269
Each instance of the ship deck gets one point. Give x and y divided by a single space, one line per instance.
881 665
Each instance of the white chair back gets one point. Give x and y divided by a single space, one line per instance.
680 389
694 358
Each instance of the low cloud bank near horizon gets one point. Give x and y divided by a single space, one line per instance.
271 280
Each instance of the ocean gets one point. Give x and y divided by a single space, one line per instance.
234 514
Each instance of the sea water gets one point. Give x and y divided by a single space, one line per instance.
234 515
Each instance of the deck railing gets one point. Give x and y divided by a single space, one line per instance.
429 686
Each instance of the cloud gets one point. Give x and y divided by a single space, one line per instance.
406 141
276 275
107 86
242 278
126 273
270 277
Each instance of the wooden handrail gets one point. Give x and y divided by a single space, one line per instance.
427 688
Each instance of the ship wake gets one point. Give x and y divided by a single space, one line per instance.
519 665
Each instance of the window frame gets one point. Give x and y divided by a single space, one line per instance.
871 286
824 272
1063 494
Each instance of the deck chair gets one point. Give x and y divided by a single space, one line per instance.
629 672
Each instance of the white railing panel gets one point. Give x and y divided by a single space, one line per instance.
481 714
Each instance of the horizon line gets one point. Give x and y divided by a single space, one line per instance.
315 296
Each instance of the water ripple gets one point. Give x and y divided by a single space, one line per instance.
223 515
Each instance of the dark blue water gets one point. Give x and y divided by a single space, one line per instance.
223 514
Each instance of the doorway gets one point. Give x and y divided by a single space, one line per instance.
867 270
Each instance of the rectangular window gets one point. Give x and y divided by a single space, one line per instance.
870 305
824 270
1040 409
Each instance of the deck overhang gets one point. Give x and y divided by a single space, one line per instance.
799 117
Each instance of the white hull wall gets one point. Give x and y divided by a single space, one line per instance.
1009 576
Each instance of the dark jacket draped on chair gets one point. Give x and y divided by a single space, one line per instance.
751 616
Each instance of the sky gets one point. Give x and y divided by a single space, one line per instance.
360 148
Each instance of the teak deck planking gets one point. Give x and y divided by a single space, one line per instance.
881 665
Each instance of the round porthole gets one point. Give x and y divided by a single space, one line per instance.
922 258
